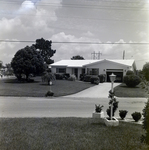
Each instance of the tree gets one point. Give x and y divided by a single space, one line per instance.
44 47
9 70
129 72
1 64
77 57
146 71
27 61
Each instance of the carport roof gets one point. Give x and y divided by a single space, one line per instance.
82 63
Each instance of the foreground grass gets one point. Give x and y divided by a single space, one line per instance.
123 91
11 87
67 134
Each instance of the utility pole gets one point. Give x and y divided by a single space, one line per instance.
95 55
124 54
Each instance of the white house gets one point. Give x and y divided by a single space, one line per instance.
94 67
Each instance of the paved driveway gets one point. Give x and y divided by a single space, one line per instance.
98 91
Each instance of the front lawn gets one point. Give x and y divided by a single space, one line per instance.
67 134
11 87
123 91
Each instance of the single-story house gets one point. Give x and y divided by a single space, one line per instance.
95 67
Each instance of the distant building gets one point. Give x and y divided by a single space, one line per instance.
95 67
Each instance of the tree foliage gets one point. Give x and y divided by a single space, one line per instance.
77 57
129 72
146 71
44 47
27 61
1 64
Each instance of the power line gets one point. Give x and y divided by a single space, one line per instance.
86 6
74 42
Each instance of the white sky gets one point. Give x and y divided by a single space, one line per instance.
106 21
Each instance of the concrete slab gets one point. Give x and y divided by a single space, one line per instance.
97 91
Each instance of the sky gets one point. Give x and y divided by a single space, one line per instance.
108 26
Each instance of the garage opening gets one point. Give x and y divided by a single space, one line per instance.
118 73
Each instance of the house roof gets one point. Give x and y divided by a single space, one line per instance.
82 63
74 63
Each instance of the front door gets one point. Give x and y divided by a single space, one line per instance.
76 72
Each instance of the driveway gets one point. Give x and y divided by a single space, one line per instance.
99 91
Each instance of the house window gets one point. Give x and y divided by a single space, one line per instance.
92 71
83 71
95 71
60 70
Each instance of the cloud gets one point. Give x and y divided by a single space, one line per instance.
26 6
62 20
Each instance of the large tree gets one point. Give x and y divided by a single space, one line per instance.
77 57
44 47
146 71
27 61
1 64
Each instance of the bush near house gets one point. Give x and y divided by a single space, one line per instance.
87 78
131 80
95 80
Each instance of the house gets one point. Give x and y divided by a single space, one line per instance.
95 67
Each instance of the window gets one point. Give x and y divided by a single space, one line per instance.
83 70
60 70
92 71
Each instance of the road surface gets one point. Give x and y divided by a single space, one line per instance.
63 106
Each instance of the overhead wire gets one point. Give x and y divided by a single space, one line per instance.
73 42
86 6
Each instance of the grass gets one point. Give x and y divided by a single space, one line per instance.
67 134
11 87
123 91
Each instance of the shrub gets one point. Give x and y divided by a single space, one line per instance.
59 76
72 77
98 108
49 93
123 113
87 78
146 123
131 80
136 116
66 76
82 76
95 80
129 72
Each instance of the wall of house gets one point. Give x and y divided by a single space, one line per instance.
104 66
107 68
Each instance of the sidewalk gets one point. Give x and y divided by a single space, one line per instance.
98 91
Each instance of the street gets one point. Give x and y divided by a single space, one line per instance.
63 106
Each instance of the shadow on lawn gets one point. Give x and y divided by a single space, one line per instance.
12 81
123 85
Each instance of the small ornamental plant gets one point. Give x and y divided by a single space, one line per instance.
98 108
136 116
123 113
113 104
49 93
